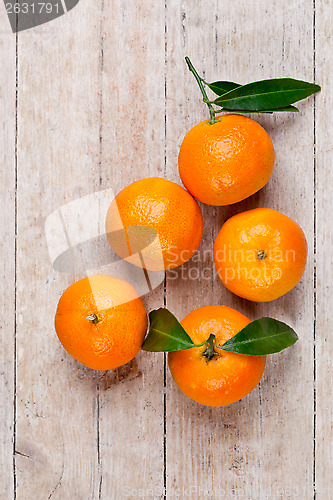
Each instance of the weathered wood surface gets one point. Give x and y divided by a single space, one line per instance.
263 444
323 368
8 251
58 147
104 98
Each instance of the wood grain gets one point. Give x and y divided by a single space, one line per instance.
8 250
251 447
58 151
105 98
323 140
131 411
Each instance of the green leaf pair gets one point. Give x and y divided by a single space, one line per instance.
265 96
260 337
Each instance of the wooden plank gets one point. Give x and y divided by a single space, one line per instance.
7 239
131 410
323 253
58 157
78 431
262 445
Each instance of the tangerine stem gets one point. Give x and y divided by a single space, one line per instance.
261 255
205 97
210 348
94 318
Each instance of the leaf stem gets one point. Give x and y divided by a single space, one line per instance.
205 97
202 343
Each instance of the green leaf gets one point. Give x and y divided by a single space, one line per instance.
287 109
271 94
166 333
260 337
220 88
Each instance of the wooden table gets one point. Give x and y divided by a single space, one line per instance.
97 99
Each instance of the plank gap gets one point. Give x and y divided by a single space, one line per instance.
315 260
100 129
101 77
165 278
15 253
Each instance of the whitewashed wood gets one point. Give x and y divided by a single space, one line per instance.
91 116
58 156
263 444
323 247
7 242
131 412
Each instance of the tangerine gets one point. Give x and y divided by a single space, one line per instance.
226 161
101 321
260 254
154 204
225 377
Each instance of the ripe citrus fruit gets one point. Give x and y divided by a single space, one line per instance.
164 207
227 376
227 161
101 321
260 254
